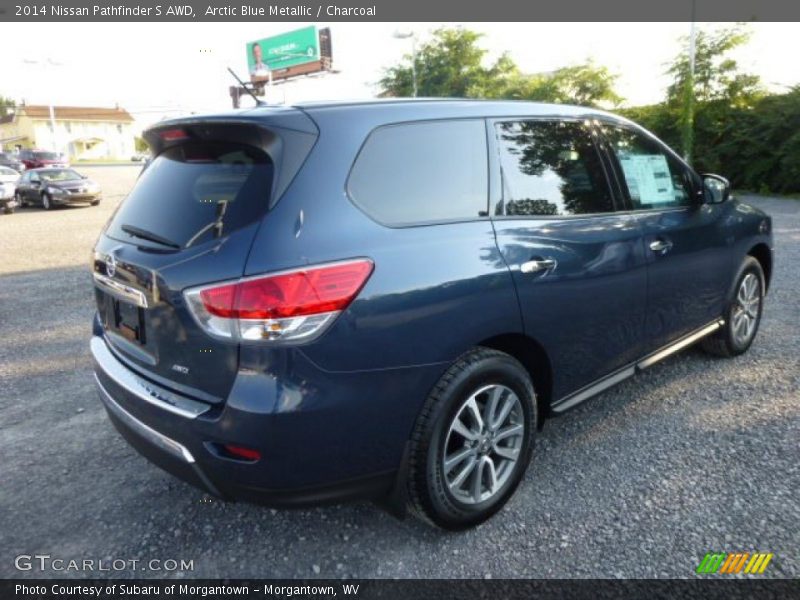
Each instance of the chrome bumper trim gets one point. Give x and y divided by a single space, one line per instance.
120 290
141 388
167 444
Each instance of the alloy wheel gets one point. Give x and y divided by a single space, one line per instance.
483 444
746 309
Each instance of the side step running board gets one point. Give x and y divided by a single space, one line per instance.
625 372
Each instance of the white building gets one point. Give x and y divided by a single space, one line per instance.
80 132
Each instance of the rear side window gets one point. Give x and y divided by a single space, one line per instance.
551 168
195 192
422 172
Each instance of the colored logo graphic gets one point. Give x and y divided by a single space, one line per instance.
735 562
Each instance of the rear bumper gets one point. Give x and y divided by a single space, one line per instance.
310 453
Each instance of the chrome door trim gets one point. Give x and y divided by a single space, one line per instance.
120 290
627 371
680 344
159 439
534 266
143 389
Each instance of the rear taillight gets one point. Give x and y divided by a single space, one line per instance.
288 306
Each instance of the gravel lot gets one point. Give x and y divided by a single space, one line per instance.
696 454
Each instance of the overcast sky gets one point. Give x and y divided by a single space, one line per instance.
168 69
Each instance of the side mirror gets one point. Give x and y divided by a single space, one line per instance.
716 189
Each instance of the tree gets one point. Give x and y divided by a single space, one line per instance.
716 78
6 106
451 64
716 74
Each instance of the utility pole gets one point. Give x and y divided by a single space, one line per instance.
688 132
404 35
44 64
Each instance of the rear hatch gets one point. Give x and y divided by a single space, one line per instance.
190 220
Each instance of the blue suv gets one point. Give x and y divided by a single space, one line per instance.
387 299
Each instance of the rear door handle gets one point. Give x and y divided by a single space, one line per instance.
660 246
535 266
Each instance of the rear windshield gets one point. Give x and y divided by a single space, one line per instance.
46 155
194 193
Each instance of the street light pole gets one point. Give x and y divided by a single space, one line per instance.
404 35
44 64
689 126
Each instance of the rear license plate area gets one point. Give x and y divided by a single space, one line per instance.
129 321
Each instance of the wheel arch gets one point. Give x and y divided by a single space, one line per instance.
534 358
763 255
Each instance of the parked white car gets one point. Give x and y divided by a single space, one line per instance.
8 185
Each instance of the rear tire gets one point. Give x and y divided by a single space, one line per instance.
94 203
9 210
743 314
20 202
472 441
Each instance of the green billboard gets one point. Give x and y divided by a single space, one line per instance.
283 51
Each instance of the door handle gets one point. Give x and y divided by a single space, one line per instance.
535 266
660 246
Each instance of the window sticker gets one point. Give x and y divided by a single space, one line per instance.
648 178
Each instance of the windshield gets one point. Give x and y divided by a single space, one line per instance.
59 175
195 192
6 171
46 155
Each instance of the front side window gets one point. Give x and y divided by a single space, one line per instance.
422 172
654 178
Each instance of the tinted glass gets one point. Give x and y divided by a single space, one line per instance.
186 189
60 175
46 155
422 172
551 168
655 179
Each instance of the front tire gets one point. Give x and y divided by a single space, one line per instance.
472 441
47 204
743 314
20 202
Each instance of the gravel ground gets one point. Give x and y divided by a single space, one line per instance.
696 454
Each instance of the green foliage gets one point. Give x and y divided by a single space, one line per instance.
140 145
757 148
6 104
716 74
451 64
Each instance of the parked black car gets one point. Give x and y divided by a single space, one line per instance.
56 187
387 299
11 161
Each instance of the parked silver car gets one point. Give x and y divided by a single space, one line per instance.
8 186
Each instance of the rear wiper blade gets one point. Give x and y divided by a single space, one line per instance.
217 224
148 235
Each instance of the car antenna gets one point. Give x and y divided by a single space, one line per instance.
259 102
